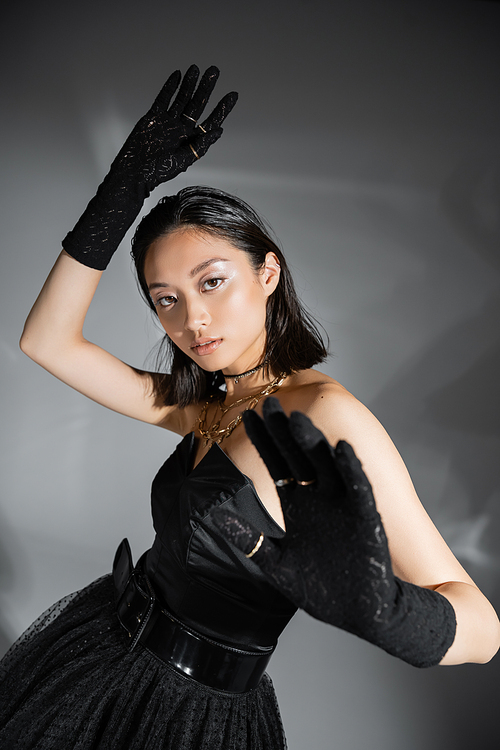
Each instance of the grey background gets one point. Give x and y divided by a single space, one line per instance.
367 134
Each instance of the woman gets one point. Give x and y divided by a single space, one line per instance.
183 664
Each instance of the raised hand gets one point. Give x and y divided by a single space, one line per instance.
167 140
334 560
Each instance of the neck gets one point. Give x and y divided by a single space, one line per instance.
250 384
219 425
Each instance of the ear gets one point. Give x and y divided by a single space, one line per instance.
270 274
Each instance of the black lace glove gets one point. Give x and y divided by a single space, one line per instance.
334 560
165 142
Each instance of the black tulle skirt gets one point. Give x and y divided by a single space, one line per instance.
71 682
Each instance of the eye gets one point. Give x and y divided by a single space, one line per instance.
210 284
164 302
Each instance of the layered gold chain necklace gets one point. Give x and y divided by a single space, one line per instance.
214 433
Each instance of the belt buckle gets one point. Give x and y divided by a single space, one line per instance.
136 605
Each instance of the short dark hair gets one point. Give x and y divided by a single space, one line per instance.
293 341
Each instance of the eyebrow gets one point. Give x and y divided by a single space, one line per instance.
194 272
201 267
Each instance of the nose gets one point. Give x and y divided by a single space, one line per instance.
196 315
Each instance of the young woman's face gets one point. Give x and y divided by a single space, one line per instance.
209 299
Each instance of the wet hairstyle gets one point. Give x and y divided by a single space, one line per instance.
293 341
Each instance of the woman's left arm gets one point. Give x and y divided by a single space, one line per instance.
418 552
370 562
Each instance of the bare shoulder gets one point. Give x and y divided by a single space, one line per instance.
330 406
303 389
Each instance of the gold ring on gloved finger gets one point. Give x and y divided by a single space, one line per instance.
194 152
257 546
189 118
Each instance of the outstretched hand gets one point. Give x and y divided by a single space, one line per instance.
334 559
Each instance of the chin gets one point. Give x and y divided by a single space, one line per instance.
206 366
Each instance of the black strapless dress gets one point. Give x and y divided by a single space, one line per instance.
70 681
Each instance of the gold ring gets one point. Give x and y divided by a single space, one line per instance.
305 483
194 152
283 482
257 546
190 118
202 128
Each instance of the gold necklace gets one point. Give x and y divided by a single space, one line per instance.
215 433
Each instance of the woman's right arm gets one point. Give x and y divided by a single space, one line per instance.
53 337
165 142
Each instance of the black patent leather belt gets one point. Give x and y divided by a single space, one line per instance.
196 656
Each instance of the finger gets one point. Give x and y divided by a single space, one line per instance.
195 107
320 454
202 142
162 101
278 425
185 93
311 441
221 111
241 534
269 452
355 480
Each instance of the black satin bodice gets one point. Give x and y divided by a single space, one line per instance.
204 582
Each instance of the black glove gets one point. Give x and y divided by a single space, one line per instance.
334 560
165 142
